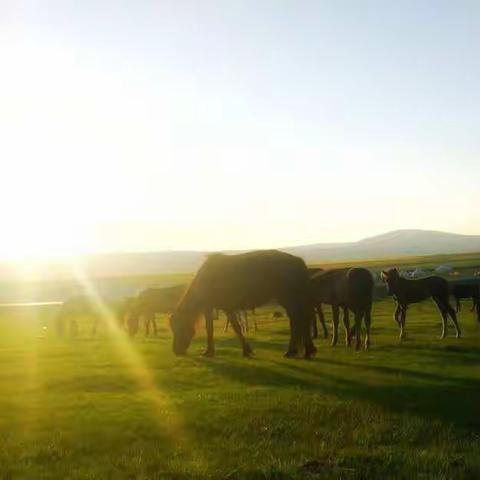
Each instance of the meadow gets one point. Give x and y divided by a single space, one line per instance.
109 407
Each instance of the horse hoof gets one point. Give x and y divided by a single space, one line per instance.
309 354
290 354
248 354
208 353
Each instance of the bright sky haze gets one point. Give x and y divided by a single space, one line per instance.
153 125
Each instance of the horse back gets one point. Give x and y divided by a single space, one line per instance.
466 290
252 279
348 287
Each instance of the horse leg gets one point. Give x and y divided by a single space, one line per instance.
346 326
403 316
292 350
321 317
247 350
450 311
245 315
458 306
358 328
473 304
227 321
255 321
154 323
368 322
307 317
314 322
147 325
210 351
396 315
335 324
443 312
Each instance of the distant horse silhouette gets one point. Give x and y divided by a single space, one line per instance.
86 306
150 302
242 282
350 289
406 292
467 290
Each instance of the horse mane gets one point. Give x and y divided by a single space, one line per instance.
189 292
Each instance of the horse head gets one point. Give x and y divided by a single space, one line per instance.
390 277
183 329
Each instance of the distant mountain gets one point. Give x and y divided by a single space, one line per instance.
398 243
394 244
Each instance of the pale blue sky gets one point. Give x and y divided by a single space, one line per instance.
209 124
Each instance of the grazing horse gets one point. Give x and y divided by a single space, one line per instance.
233 283
86 306
406 292
467 290
150 302
350 289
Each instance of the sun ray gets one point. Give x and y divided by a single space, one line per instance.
142 375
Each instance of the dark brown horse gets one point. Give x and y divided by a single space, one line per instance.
349 289
467 290
150 302
406 292
233 283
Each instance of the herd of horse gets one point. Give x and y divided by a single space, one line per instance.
238 284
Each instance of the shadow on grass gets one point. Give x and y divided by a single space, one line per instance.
400 390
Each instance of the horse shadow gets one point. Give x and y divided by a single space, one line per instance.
452 400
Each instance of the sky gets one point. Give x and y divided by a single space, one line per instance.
154 125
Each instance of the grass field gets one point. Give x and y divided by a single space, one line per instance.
110 408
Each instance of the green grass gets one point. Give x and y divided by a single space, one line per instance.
101 408
465 263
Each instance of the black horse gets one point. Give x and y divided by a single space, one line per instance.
406 292
150 302
467 290
350 289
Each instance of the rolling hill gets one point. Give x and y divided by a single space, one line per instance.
395 244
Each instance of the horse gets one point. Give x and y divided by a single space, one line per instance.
150 302
349 289
84 305
467 290
406 292
245 281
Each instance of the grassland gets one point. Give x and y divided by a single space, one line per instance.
465 263
110 408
